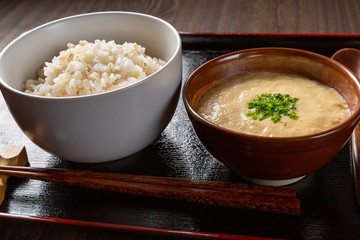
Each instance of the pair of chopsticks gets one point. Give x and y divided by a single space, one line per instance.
261 198
281 200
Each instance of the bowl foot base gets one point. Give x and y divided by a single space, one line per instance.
272 182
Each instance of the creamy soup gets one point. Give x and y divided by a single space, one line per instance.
318 107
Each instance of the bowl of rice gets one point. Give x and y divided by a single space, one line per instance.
94 87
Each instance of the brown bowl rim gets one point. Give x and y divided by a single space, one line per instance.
262 51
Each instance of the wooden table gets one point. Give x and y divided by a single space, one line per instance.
220 16
236 16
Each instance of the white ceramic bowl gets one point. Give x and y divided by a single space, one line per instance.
105 126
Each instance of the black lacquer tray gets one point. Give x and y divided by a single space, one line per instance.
328 204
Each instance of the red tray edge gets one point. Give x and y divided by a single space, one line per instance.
133 228
271 34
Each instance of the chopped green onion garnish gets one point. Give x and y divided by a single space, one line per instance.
273 106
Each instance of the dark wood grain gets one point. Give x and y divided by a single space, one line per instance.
244 16
235 16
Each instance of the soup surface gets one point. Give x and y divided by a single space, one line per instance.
318 107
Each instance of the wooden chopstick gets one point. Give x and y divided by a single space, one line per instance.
163 181
280 200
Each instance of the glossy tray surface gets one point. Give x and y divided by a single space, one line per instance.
328 210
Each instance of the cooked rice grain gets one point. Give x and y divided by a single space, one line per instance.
89 68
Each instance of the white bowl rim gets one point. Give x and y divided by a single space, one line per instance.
13 42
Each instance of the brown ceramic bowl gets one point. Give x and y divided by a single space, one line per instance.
272 160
